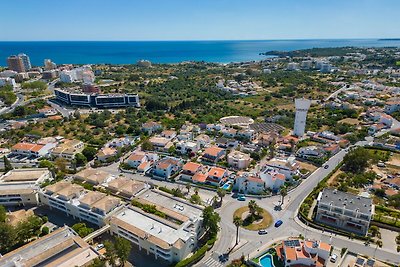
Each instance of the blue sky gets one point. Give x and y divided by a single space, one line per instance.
197 19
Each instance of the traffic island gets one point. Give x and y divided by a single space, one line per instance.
253 221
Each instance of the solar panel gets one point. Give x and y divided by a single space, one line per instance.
292 243
360 261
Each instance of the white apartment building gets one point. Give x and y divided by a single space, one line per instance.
287 166
68 149
165 239
20 186
345 211
7 81
75 201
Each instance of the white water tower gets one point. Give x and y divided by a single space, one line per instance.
302 106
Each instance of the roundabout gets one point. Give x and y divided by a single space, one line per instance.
253 221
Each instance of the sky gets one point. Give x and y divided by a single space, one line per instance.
29 20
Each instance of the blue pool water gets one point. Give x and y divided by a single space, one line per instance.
226 186
266 261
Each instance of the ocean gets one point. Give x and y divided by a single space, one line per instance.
129 52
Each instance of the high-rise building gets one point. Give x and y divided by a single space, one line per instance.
302 106
26 61
49 65
16 63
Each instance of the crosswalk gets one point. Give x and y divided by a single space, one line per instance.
211 262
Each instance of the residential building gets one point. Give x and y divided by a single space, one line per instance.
32 150
160 143
67 149
172 238
126 188
273 179
142 161
216 176
106 153
7 81
20 186
296 252
169 134
81 204
49 65
345 211
190 169
62 248
248 183
239 160
151 127
392 106
94 176
187 147
166 167
16 63
213 154
310 152
203 139
287 166
25 61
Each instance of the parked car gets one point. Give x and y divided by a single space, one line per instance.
99 246
262 232
278 223
326 166
334 258
242 198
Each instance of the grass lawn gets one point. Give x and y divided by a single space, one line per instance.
350 121
265 223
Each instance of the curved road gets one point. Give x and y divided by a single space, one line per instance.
250 242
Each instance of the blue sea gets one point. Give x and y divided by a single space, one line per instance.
129 52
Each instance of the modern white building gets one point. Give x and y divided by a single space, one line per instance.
273 179
172 238
20 186
302 106
75 201
62 248
7 81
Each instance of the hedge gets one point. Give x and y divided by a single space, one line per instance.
198 255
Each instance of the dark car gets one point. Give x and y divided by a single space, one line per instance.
262 232
278 223
326 167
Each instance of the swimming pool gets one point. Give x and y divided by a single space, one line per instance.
226 186
267 261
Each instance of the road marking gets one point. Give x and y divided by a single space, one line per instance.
211 262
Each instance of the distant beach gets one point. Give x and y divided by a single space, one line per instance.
128 52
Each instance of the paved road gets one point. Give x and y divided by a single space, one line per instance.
251 243
337 92
18 102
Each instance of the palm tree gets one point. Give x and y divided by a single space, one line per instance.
237 221
252 207
283 193
188 186
221 193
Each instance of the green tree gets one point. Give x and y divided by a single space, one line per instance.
81 229
254 209
356 160
237 221
147 146
122 249
8 238
110 255
3 214
81 160
7 164
221 193
188 186
211 220
89 152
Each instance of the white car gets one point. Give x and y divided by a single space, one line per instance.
334 258
99 246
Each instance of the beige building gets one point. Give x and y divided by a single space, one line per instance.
67 149
81 204
61 248
20 186
126 188
239 160
171 239
93 176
